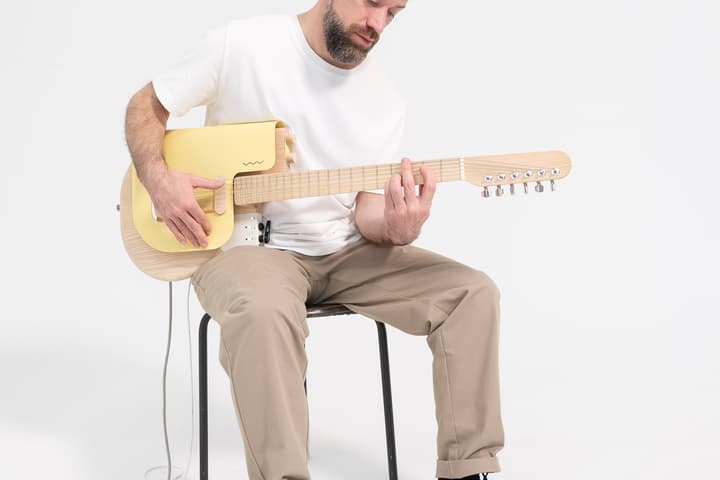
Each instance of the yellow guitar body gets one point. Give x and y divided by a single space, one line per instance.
213 152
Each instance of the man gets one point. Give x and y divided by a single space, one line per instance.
312 71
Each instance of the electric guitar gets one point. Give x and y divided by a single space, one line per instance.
254 160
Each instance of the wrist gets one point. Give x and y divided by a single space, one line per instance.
154 174
394 237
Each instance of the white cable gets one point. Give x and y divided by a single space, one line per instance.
169 467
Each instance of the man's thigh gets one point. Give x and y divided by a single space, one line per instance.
410 287
260 276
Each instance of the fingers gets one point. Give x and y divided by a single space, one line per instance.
174 229
186 227
197 233
408 182
203 182
185 231
396 193
200 217
427 189
389 205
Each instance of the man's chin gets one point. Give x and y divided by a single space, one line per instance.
362 49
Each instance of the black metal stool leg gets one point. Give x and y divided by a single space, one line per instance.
203 400
387 401
203 393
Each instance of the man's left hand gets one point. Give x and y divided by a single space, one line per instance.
405 212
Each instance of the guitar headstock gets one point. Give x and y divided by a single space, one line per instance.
516 169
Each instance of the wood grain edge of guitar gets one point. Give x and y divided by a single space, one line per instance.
169 267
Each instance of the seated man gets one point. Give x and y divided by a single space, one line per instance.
312 72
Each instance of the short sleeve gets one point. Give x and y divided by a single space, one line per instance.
195 80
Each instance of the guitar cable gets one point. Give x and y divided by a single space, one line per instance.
169 467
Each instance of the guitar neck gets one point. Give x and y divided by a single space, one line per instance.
314 183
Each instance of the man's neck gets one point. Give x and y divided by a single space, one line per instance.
311 24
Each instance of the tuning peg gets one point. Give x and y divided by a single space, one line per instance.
552 185
486 192
539 187
512 189
499 191
525 187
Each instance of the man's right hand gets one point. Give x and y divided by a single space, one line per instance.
175 203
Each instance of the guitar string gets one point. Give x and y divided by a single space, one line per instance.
345 185
275 190
469 165
271 187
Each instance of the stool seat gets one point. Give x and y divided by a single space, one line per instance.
329 310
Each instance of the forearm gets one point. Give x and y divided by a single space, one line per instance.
145 124
370 218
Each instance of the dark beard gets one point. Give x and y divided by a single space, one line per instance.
338 42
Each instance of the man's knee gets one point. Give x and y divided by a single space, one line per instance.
482 297
484 287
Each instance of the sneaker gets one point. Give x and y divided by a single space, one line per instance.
470 477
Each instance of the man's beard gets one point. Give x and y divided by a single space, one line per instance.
338 40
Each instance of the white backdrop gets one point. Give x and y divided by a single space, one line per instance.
609 360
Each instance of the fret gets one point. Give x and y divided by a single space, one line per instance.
313 183
275 193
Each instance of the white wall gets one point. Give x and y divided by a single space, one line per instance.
610 322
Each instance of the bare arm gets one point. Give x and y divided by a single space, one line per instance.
171 192
145 124
397 216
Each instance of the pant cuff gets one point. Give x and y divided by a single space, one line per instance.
463 468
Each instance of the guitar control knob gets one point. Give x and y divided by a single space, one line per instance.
486 192
539 187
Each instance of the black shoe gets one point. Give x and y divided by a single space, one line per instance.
469 477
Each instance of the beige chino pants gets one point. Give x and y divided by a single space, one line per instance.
258 295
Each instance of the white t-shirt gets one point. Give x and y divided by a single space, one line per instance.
262 68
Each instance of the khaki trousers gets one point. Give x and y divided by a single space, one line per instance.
258 297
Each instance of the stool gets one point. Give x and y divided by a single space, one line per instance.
312 312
